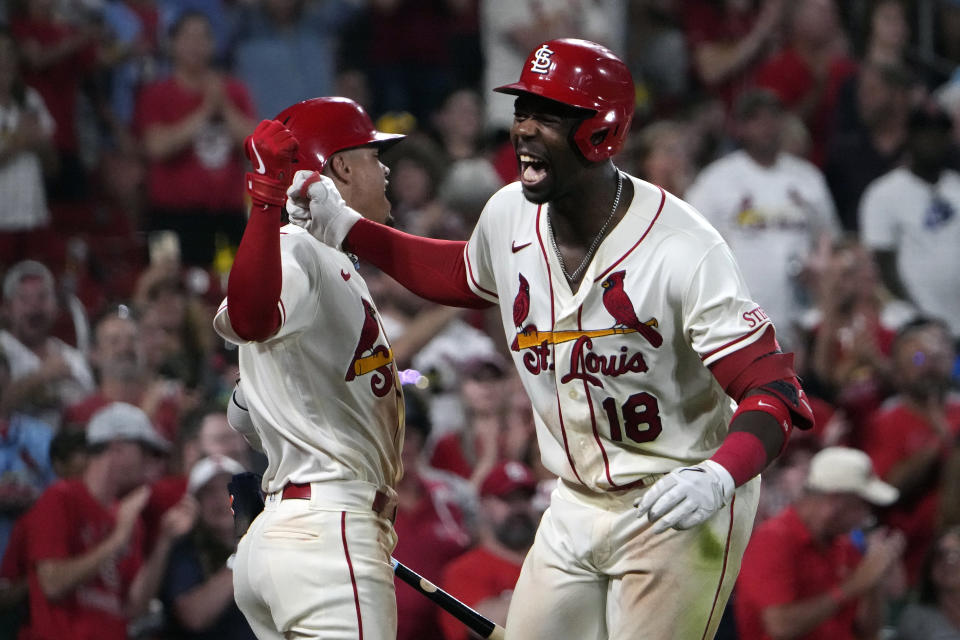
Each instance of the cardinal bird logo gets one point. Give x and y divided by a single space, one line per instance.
368 358
618 305
521 304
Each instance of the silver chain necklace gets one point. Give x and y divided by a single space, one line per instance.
596 240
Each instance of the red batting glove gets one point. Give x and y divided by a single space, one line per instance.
271 150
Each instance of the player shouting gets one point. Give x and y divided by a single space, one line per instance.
658 386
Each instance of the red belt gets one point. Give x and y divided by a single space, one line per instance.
381 501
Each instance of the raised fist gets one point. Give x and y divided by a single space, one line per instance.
271 149
315 204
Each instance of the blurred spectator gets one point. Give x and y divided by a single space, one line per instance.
908 217
135 31
26 131
416 170
728 39
464 192
937 614
808 73
58 57
278 36
657 54
122 377
175 327
770 207
47 374
889 33
803 576
457 124
484 577
473 451
435 519
192 125
913 434
88 575
198 587
25 469
851 338
784 480
68 457
870 140
663 152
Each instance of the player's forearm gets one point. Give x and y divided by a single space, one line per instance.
60 576
432 269
197 609
147 581
253 288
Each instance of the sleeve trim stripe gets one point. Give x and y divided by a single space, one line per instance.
479 290
718 352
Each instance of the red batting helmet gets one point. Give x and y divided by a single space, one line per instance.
585 75
324 126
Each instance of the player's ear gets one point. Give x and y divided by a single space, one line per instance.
338 168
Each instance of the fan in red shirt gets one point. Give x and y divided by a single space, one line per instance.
86 572
807 74
914 432
484 577
193 124
802 575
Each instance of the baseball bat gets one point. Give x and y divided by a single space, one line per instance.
482 626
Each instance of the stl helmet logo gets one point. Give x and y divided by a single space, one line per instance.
541 60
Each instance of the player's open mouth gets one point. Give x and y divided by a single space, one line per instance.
532 169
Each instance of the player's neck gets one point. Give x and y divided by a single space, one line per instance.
577 218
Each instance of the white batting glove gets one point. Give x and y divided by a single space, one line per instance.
315 204
686 497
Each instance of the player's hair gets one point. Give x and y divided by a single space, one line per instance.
23 270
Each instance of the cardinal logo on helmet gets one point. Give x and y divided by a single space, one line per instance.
541 60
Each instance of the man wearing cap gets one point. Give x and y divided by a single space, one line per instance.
802 574
908 217
87 572
485 576
198 587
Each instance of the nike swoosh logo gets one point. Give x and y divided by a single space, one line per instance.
345 275
262 169
515 248
764 404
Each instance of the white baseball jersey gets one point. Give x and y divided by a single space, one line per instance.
617 371
323 391
919 221
770 217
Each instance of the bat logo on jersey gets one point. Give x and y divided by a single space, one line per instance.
537 344
618 304
541 60
371 358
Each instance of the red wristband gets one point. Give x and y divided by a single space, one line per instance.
743 455
265 191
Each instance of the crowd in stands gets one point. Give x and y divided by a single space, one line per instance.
818 136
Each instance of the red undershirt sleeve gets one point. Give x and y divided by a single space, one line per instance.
253 289
433 269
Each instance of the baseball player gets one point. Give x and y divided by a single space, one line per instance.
658 387
321 388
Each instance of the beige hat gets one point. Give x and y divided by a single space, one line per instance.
122 421
206 469
846 470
